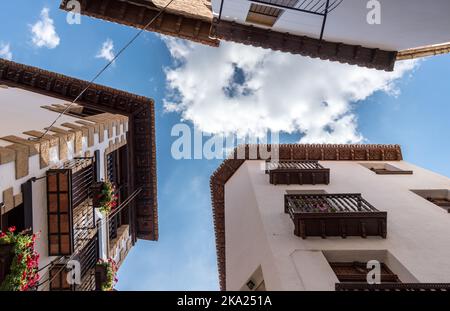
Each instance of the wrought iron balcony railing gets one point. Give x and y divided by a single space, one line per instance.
70 213
334 215
320 8
60 273
297 172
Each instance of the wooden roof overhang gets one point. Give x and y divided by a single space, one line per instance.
303 45
297 152
192 20
141 130
137 13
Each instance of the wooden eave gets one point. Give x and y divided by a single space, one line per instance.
303 45
138 13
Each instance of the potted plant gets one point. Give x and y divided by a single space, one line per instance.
20 259
104 197
105 274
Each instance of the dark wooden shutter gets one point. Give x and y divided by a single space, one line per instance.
58 277
27 192
59 204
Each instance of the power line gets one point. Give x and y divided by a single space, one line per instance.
106 67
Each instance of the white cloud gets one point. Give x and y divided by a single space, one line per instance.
44 32
5 51
238 88
107 50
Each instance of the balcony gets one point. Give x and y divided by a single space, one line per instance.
71 221
297 173
87 257
328 215
394 287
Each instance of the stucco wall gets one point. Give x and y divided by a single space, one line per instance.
416 245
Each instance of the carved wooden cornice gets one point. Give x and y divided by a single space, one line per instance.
177 23
303 45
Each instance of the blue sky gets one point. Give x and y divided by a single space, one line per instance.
411 109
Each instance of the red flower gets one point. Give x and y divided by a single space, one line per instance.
12 229
2 235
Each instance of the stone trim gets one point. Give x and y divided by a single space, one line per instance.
60 140
6 155
286 152
8 200
123 234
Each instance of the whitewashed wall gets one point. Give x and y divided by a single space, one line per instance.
258 232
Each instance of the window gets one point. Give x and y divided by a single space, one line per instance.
117 172
439 197
15 217
386 169
263 15
356 272
255 282
297 172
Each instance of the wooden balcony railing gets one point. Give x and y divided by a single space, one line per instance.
442 202
297 172
394 287
356 272
334 215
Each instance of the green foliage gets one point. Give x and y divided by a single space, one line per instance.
108 198
111 271
25 264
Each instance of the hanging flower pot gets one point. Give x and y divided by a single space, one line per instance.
19 260
105 274
104 197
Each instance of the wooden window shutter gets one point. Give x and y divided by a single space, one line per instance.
59 209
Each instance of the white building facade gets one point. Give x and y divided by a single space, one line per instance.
261 246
